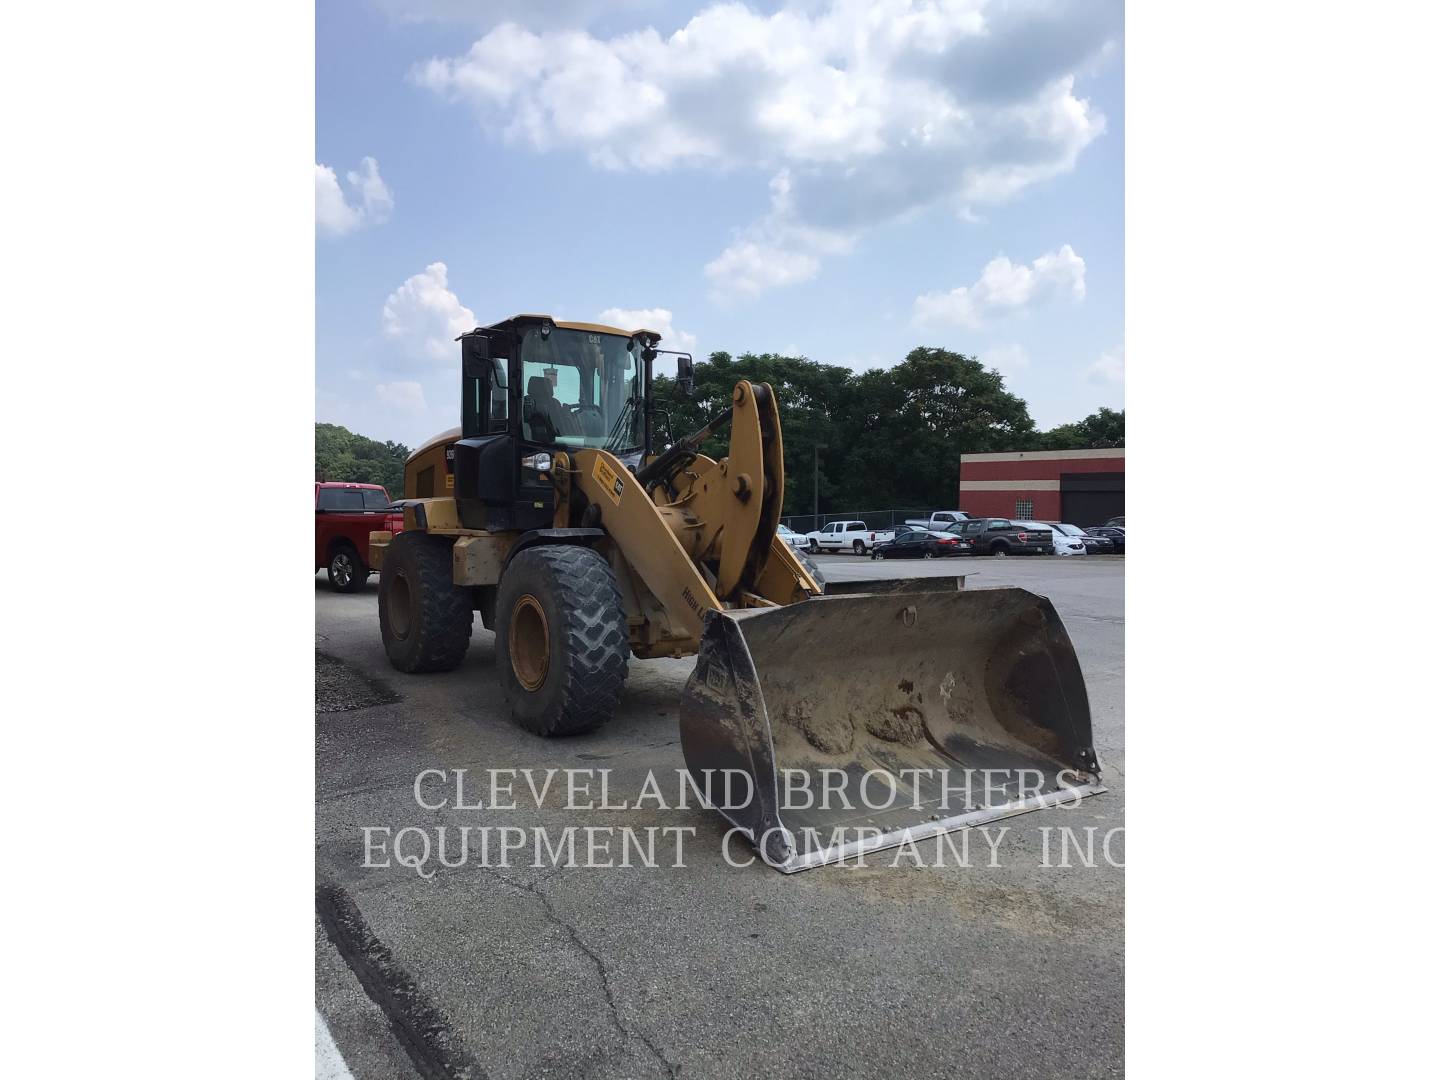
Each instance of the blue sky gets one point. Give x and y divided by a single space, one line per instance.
840 180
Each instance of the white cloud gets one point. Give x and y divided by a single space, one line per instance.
372 199
746 268
1004 286
776 250
405 396
1110 368
862 111
492 12
1009 360
424 317
661 320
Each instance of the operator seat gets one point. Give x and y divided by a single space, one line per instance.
543 405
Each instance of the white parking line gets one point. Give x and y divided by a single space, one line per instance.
329 1065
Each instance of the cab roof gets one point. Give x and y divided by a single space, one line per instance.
587 327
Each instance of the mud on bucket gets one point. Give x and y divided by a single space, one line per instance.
848 724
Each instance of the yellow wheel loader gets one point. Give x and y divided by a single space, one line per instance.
822 726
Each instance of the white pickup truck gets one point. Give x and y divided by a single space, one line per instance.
840 536
939 520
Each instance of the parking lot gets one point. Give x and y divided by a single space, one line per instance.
707 969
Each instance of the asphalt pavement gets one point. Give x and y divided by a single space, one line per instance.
705 969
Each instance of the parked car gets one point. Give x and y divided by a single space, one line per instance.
1061 543
1113 533
839 536
884 536
1115 523
919 544
1094 545
940 519
345 515
1001 536
791 537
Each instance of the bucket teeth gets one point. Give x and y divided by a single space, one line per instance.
848 724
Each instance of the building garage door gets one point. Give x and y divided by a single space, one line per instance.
1091 498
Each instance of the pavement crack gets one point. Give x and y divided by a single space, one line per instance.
424 1031
627 1035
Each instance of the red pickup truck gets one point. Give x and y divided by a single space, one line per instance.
345 515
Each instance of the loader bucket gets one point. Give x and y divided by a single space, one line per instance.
827 729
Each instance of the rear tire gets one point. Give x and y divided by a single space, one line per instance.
561 643
929 554
999 548
859 547
814 547
347 571
425 619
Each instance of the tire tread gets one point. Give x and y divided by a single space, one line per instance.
441 611
596 640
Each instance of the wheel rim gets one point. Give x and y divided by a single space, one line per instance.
397 606
929 554
341 569
529 642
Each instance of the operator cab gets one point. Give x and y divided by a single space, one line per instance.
533 386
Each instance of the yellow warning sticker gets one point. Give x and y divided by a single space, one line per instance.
606 478
450 481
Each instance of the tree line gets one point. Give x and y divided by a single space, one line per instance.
342 455
889 437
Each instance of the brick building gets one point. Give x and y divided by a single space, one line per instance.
1079 487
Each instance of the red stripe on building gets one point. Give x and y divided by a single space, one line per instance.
1082 489
1034 469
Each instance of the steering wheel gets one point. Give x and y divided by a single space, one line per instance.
579 411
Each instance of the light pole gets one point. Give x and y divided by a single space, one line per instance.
816 489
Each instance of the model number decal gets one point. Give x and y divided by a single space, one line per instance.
608 480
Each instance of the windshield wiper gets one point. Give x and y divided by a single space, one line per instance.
613 441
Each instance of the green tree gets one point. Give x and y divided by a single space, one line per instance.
340 454
890 437
812 398
909 424
1101 430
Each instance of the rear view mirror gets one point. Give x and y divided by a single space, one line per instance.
685 374
475 357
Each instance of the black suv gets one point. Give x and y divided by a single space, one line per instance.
1116 536
1000 536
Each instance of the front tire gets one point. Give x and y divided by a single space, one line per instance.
561 644
347 571
425 618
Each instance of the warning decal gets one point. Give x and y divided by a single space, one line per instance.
606 478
